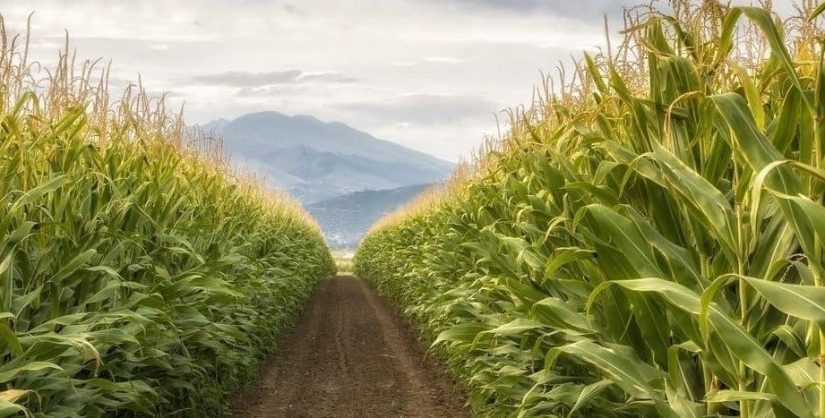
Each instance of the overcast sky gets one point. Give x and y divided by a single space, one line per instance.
429 74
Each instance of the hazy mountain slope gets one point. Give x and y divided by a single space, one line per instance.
315 160
345 219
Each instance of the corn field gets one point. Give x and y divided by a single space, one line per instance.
138 275
647 240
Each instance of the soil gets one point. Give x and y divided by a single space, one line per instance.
350 355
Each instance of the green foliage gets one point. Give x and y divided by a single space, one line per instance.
137 277
647 243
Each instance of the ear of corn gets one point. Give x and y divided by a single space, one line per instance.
647 241
138 277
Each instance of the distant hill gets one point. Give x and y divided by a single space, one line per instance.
345 219
317 161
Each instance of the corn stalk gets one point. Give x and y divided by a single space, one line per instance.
645 241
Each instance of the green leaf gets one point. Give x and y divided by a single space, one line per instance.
41 190
587 394
816 12
762 19
74 264
8 373
516 327
735 395
806 302
465 332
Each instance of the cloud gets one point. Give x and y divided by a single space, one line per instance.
256 92
486 54
567 8
326 77
403 64
428 109
245 79
433 60
444 60
292 9
250 80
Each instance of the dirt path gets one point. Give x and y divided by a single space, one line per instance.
350 355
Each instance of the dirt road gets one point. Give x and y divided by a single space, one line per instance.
350 355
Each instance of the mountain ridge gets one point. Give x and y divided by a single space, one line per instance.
316 160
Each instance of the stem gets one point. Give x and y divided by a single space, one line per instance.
818 282
821 373
743 319
711 408
816 267
744 405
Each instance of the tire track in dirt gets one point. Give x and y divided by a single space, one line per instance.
350 355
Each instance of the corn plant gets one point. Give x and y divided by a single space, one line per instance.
138 276
647 239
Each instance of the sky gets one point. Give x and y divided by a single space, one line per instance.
432 75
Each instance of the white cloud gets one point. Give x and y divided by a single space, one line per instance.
268 78
422 109
351 61
444 60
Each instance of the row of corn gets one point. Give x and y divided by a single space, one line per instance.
647 241
138 276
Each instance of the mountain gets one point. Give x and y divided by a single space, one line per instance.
345 219
317 161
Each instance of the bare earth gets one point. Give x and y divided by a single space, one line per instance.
350 355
